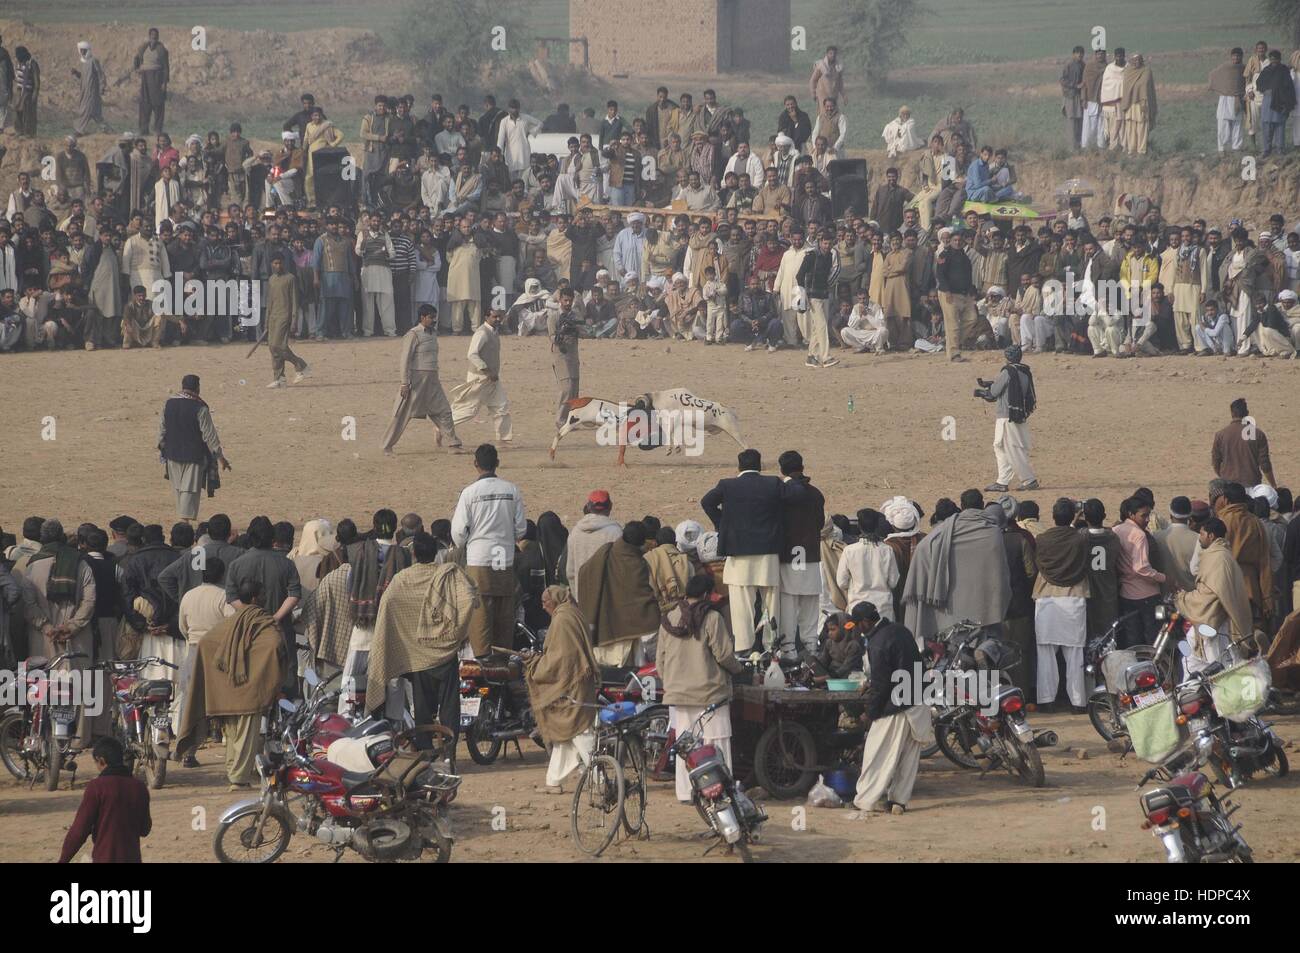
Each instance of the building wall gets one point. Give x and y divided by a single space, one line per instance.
761 43
680 37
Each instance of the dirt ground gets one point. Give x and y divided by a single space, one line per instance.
1087 812
1103 427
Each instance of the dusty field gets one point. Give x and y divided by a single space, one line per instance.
1103 427
1087 812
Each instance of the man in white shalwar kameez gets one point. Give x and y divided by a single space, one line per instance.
512 139
900 134
483 389
1112 91
1061 594
786 284
867 329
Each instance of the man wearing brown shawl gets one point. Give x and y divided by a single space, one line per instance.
373 564
327 617
237 675
1061 605
1228 83
1254 98
1249 544
833 597
423 621
906 536
561 681
1094 132
1284 654
670 569
616 598
1138 105
1220 599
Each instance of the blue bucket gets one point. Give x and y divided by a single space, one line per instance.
617 712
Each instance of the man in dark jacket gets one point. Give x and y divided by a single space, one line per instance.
748 512
114 811
801 571
893 750
817 275
186 571
140 581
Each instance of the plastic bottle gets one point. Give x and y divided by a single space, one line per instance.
850 403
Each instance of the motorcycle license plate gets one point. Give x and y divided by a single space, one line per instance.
469 710
1150 698
62 719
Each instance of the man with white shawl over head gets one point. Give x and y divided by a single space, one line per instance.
91 85
562 682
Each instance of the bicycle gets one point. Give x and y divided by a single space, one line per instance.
612 789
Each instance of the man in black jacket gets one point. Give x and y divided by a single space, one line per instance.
952 272
817 275
748 513
801 568
892 753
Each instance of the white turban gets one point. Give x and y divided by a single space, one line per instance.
656 282
707 547
288 136
602 273
83 46
1265 492
998 290
631 278
635 217
783 140
1286 295
678 277
900 512
688 534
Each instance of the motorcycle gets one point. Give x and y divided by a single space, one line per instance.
394 809
1192 824
996 734
732 816
494 705
142 716
36 739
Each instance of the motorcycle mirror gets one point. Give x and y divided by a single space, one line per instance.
288 706
311 678
1208 631
1185 648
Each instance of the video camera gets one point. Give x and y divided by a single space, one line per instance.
982 392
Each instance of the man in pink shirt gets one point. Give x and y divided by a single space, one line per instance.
1139 581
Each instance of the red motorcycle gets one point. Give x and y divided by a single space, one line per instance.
142 715
394 809
36 739
644 687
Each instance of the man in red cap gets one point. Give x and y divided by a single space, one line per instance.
594 530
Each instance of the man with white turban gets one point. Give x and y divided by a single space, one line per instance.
92 83
630 246
528 313
900 134
903 518
688 535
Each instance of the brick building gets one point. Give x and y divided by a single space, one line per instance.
682 36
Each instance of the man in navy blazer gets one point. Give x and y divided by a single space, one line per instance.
747 511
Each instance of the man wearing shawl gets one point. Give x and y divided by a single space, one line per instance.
670 569
1278 100
154 68
189 447
60 605
827 79
237 675
1220 599
1250 547
373 563
1228 83
959 571
327 619
1138 105
561 680
898 728
953 128
1072 97
900 134
420 394
617 600
905 536
1111 96
1258 60
91 86
1061 605
1094 131
318 134
423 621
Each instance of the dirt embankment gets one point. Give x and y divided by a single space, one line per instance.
255 73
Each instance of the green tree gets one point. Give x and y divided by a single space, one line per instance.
1285 15
871 34
457 44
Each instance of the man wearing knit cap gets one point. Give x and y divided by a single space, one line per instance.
1013 392
1176 544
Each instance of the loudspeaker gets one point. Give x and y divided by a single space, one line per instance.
848 193
838 167
331 187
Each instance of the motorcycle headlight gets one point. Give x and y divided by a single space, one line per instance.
1162 613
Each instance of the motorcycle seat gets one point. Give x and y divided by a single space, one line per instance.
37 661
618 675
160 687
509 671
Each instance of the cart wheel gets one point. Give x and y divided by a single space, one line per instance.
785 760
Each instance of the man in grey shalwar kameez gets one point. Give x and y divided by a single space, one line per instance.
188 442
959 572
91 84
421 393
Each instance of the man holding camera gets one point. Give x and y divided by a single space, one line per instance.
1013 392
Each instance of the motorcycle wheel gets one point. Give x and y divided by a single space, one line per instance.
12 732
238 835
597 811
53 759
441 847
383 842
1105 718
953 745
155 770
743 852
784 760
483 748
653 749
1028 763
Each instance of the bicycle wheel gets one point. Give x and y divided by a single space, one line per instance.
632 761
597 811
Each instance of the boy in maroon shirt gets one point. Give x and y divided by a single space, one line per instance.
114 811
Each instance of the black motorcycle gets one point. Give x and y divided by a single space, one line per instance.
494 706
1192 824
